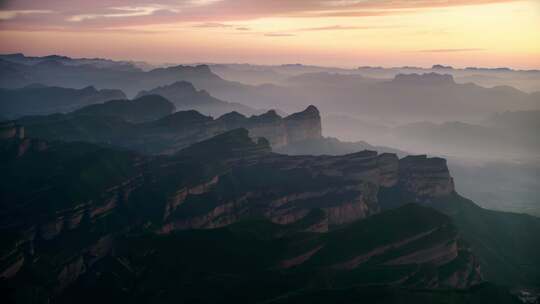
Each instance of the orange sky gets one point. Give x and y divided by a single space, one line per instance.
346 33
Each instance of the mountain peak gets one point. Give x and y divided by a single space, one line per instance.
232 116
310 112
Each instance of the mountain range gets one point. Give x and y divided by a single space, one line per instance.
187 192
39 100
443 100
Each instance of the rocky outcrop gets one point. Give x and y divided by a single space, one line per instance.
425 178
270 126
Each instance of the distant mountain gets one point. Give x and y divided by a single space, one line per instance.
407 97
394 99
54 72
511 133
185 97
429 79
329 79
350 128
519 120
142 109
95 62
248 74
525 80
41 100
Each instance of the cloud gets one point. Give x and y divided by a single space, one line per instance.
123 12
279 35
213 25
12 14
452 50
100 14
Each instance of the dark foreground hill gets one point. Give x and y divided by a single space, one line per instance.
226 220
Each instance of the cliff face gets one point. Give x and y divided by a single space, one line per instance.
345 187
268 125
425 178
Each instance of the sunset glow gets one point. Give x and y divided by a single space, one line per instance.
341 33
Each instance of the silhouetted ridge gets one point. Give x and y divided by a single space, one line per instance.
269 116
186 97
310 112
146 108
232 116
233 120
42 100
182 119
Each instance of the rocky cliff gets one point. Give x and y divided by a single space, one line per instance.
425 178
346 188
304 125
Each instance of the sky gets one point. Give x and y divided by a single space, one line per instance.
344 33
